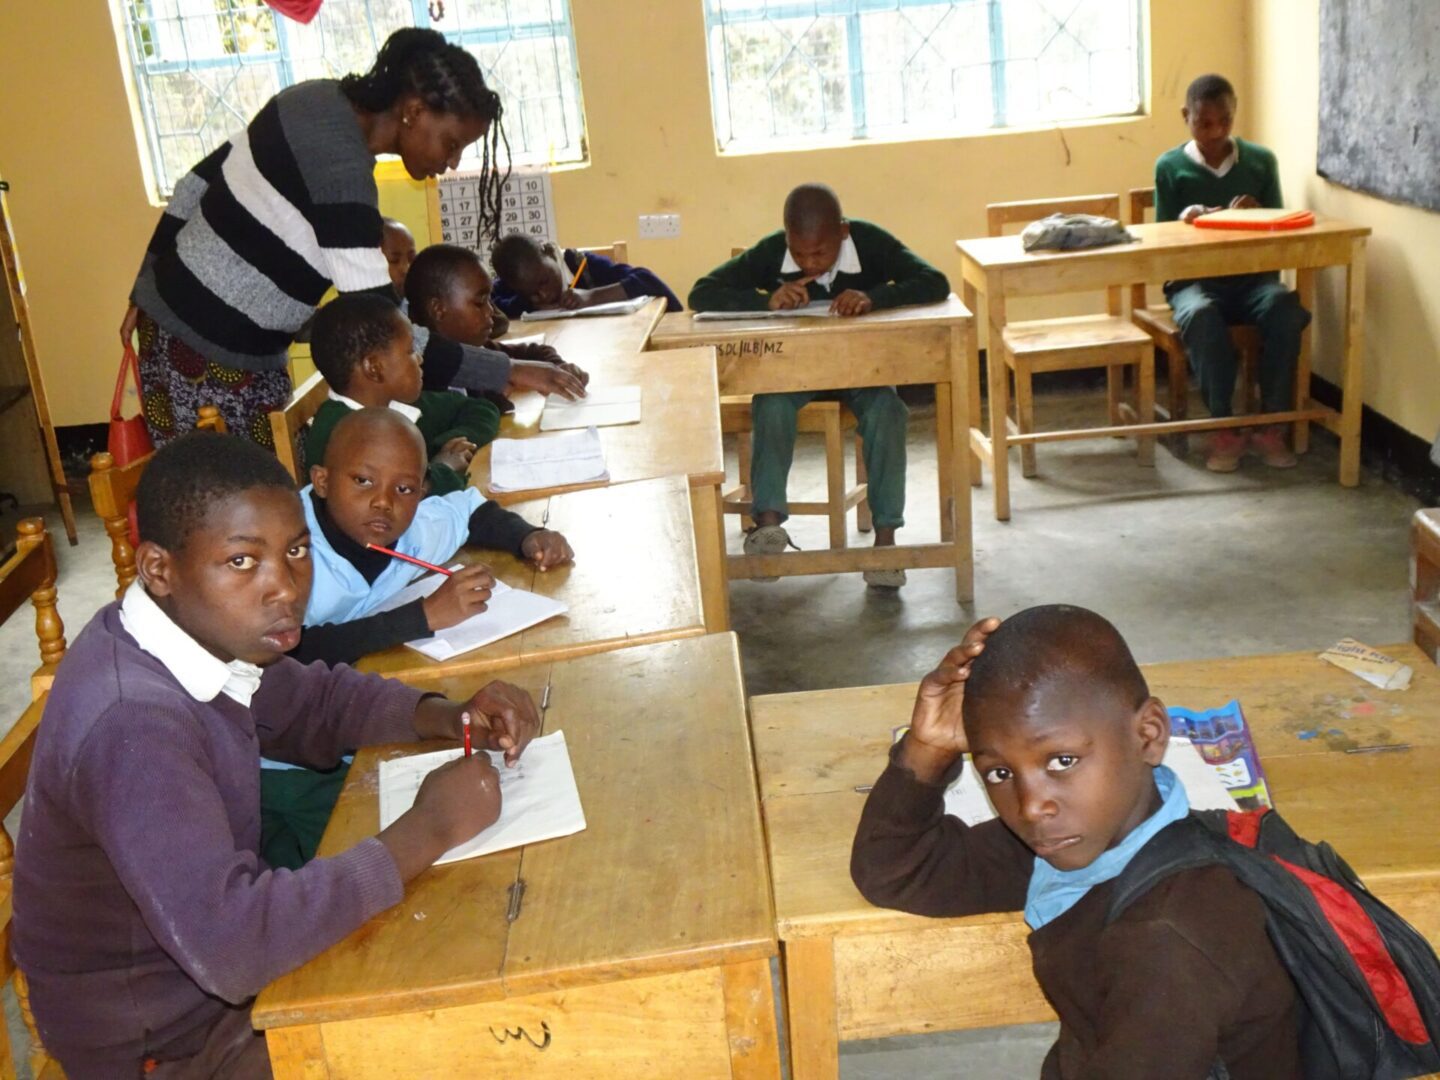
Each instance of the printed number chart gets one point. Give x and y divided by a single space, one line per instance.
525 207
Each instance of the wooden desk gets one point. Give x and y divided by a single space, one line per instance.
643 944
1000 268
678 435
580 339
1425 580
854 971
620 593
926 343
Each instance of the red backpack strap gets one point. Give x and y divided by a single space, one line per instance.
1244 825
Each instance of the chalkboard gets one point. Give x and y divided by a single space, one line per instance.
1379 98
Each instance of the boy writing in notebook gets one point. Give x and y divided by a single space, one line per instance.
1215 171
531 276
144 920
365 349
855 267
1068 742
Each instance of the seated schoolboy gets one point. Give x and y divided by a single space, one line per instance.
857 267
1068 741
398 244
144 919
1215 171
530 276
365 349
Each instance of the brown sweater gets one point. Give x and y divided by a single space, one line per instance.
1185 977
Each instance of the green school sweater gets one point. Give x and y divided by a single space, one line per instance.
444 414
1179 182
890 274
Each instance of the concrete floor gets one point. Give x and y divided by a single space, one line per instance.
1186 563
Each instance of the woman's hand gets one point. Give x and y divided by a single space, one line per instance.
127 326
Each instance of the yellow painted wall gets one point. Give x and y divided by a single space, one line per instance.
83 218
1402 302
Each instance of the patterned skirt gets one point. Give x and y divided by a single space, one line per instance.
175 381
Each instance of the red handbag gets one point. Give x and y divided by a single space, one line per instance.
129 439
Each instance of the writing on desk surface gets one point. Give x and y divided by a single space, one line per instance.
751 347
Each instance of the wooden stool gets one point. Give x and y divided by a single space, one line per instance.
829 418
1425 580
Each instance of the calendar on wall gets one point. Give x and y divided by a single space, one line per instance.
526 207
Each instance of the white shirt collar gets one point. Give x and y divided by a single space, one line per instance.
410 412
1193 153
203 675
848 263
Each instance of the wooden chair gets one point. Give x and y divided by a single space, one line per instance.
1425 580
1076 343
29 574
287 425
829 418
618 252
1158 321
112 491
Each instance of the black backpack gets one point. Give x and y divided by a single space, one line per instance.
1368 982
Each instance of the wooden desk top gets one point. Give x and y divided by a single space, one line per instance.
814 749
678 433
669 875
580 339
620 592
679 328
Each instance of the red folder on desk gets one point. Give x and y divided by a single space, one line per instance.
1263 220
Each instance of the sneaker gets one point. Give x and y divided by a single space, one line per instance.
767 540
1268 443
1224 450
884 579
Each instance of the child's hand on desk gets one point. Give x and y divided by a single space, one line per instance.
546 378
504 717
573 369
1244 202
571 299
1190 213
545 549
455 802
465 592
851 302
456 453
937 723
791 294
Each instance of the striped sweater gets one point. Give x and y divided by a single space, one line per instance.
258 232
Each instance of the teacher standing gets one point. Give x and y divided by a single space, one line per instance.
258 232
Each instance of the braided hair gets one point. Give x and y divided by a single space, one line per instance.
447 79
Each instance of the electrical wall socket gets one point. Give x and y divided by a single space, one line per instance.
659 226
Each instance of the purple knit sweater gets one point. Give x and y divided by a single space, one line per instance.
141 908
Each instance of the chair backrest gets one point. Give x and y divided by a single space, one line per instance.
737 251
998 215
1141 199
287 424
29 574
618 252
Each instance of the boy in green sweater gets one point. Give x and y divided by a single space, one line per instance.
857 267
364 347
1214 171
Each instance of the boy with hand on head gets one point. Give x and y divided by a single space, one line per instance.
144 919
365 349
1215 171
1068 741
398 244
531 276
858 267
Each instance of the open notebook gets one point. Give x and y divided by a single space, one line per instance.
508 612
603 406
538 796
816 309
571 457
616 307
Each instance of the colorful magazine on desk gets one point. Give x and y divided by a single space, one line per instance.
1224 741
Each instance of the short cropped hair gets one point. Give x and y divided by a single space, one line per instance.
514 255
1208 88
347 330
432 274
1039 644
192 474
811 208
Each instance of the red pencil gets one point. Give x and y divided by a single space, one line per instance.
410 559
465 723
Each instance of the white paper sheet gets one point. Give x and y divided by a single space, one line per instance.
573 457
967 800
508 612
529 339
816 309
538 797
602 407
615 307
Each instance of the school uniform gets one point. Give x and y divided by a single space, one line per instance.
599 272
875 263
1184 978
143 916
1204 308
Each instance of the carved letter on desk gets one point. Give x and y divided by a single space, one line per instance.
507 1035
751 347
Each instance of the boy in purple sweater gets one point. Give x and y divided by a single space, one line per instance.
144 920
531 276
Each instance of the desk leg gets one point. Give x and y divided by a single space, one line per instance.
750 1021
811 1009
709 521
297 1053
945 462
999 399
1305 290
1352 371
963 413
972 381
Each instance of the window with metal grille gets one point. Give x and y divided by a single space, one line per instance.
204 68
788 72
